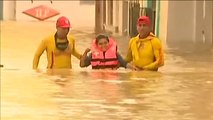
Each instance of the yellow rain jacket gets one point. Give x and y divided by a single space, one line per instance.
146 53
55 57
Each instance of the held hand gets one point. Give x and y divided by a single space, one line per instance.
132 67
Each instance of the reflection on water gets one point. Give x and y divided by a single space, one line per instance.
181 90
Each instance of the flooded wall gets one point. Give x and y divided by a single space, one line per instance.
181 23
9 10
79 14
204 22
189 22
1 10
163 21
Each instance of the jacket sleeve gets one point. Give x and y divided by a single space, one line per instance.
74 51
129 52
158 54
122 62
38 53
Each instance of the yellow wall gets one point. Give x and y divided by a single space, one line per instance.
9 10
79 15
163 21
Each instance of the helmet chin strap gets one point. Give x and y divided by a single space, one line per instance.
61 45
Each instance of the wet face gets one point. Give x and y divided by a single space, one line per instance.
62 32
143 29
103 44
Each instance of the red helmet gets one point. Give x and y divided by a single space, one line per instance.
144 20
63 22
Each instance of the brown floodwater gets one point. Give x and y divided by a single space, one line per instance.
181 90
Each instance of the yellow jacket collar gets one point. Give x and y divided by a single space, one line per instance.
151 36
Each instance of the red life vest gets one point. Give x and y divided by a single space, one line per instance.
107 59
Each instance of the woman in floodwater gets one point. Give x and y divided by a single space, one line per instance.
104 55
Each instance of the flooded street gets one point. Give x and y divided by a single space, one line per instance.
181 90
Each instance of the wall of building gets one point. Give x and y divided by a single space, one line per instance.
79 14
125 17
116 15
120 16
1 10
208 22
189 22
204 22
163 19
9 10
181 25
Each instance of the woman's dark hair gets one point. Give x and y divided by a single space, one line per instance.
101 37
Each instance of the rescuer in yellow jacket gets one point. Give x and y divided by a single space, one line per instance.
59 47
145 50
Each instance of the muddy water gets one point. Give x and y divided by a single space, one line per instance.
181 90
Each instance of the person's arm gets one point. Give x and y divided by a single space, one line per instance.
38 54
124 64
129 52
74 51
159 58
85 60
